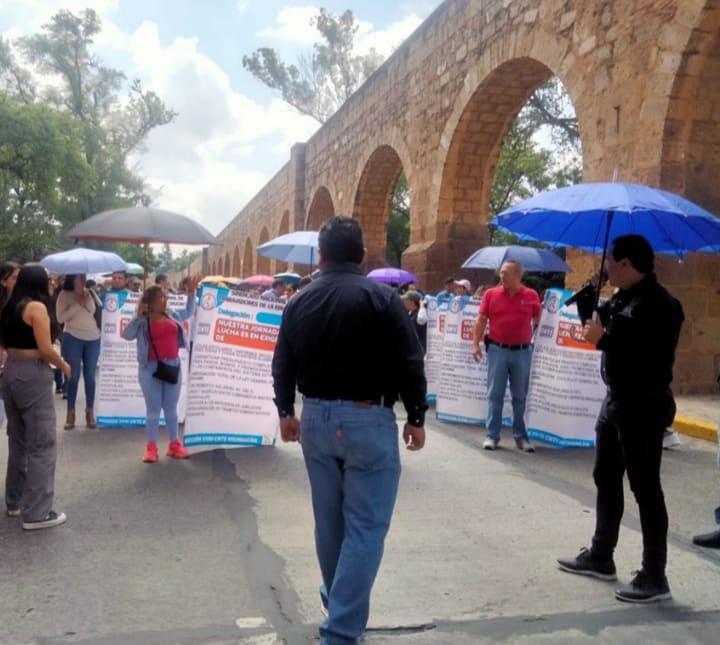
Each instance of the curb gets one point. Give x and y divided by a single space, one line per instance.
696 428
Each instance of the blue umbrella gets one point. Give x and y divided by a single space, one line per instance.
492 257
587 216
300 247
83 261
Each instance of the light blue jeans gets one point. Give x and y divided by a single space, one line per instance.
79 353
353 463
159 397
504 364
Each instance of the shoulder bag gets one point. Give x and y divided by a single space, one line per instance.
164 372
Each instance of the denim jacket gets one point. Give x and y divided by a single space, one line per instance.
137 328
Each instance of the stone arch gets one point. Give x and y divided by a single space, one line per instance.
248 267
227 268
321 209
689 165
284 228
373 198
264 265
690 162
237 264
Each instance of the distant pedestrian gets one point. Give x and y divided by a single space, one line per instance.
448 292
274 293
463 288
638 333
160 335
348 345
27 332
76 307
510 309
413 303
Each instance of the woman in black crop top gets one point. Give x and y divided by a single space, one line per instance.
27 332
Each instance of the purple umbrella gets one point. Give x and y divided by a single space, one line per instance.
391 275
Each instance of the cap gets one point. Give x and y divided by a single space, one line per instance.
412 295
464 283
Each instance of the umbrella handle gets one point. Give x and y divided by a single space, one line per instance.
609 219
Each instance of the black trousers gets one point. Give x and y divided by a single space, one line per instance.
629 438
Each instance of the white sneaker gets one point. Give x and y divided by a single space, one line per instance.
490 444
525 445
50 520
671 439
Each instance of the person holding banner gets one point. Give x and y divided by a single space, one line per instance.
638 332
511 309
349 346
160 334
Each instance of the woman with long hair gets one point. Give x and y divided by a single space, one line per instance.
160 335
75 308
27 332
8 277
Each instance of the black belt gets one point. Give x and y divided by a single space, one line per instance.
512 348
380 401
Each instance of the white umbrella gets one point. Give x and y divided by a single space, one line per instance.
83 261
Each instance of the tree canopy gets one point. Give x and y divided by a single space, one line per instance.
83 120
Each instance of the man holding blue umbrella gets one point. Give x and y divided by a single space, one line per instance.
637 331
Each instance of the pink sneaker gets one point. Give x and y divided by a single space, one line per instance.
177 451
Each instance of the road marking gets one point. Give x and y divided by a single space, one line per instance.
251 623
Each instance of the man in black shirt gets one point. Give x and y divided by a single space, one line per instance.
638 333
349 346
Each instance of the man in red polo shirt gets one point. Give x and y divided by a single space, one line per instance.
510 309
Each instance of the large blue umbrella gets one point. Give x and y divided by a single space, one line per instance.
83 261
532 259
587 216
300 247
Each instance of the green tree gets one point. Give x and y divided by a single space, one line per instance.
323 80
398 229
184 260
111 128
42 172
138 253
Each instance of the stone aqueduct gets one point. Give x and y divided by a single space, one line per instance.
644 76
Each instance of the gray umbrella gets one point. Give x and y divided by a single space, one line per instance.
142 225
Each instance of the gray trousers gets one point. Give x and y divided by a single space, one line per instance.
27 387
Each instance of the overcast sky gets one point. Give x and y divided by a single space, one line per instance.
232 134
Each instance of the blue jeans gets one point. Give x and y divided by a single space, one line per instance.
159 397
504 364
353 463
79 353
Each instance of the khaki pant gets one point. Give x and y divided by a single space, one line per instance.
27 386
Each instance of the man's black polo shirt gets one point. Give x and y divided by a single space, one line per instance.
347 337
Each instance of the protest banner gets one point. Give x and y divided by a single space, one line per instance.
462 391
566 388
230 401
119 400
433 355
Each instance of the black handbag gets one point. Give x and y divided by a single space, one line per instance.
164 372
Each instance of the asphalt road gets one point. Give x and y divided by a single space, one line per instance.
219 550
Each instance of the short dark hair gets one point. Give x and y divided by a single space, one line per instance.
341 240
69 282
278 283
637 250
160 277
449 281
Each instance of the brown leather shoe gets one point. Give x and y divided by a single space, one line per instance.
90 418
70 420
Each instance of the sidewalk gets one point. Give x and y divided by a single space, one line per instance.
698 416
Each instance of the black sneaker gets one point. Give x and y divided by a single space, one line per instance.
708 540
586 565
643 589
13 511
50 520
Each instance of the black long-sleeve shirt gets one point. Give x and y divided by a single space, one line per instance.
642 329
347 337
